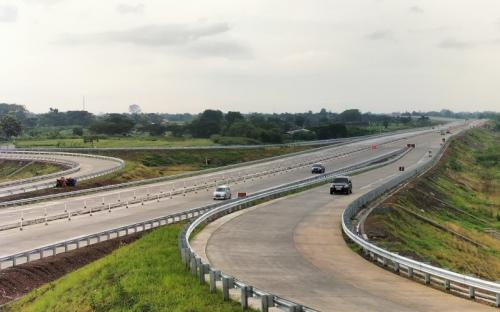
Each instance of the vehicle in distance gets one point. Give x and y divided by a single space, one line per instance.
222 192
318 168
341 184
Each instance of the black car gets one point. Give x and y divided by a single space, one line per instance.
318 168
341 185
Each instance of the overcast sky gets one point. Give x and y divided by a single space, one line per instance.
251 55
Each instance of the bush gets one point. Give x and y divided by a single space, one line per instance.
223 140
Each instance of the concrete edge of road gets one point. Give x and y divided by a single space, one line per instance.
191 174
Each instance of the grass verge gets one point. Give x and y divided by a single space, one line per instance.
14 170
451 216
146 275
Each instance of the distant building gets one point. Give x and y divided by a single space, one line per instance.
292 132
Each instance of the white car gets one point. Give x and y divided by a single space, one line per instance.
222 192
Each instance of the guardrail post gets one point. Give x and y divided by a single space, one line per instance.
244 297
198 266
183 255
472 292
410 272
193 266
213 281
396 267
266 301
227 282
497 302
296 308
447 285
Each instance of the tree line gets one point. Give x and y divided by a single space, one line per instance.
226 128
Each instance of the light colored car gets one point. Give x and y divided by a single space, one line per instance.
222 192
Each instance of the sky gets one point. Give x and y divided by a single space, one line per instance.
250 55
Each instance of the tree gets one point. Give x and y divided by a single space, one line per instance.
113 124
209 123
350 115
232 117
134 109
78 131
154 129
10 126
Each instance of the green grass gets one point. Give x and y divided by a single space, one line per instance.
467 180
114 142
15 170
146 275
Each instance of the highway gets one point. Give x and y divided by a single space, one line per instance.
251 179
84 164
293 247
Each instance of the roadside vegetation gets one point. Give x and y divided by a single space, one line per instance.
14 170
146 275
451 216
77 129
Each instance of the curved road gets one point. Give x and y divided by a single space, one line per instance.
293 247
88 166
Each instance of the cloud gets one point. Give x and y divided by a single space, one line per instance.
223 49
8 13
43 2
123 8
416 9
454 44
150 35
380 35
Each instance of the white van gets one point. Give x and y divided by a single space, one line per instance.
222 192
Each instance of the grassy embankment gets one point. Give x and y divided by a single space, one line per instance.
462 195
140 165
146 275
14 170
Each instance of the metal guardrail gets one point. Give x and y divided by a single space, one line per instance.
199 268
121 164
451 281
201 172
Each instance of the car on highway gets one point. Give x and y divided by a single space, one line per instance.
222 192
341 184
318 168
